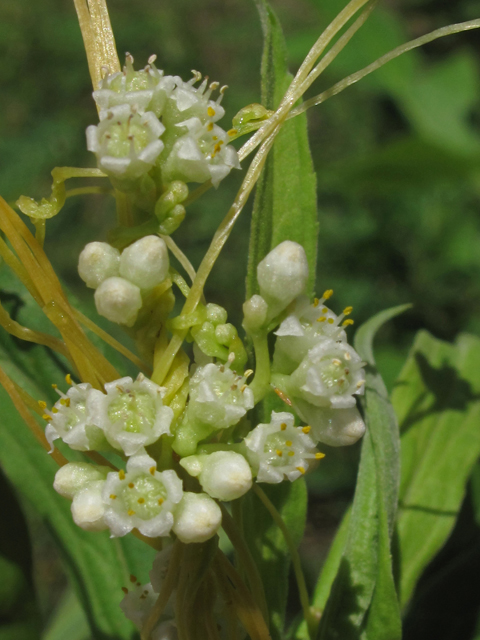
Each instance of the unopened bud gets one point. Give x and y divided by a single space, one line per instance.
118 300
224 475
283 273
145 263
197 518
97 262
74 476
88 508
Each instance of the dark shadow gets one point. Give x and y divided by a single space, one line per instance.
435 512
448 389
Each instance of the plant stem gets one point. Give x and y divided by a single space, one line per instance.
310 618
261 382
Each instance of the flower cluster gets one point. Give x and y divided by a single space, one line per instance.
149 120
205 436
120 279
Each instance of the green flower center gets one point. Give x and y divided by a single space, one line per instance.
136 410
144 497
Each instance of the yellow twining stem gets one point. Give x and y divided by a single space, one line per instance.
19 331
91 365
98 38
22 409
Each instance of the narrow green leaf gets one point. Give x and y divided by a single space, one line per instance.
69 620
362 600
437 401
285 206
268 545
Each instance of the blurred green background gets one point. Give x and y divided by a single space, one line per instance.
397 158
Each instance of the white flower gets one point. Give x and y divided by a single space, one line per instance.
282 275
203 153
197 518
218 397
187 101
330 375
131 414
224 475
88 508
307 325
138 602
118 300
97 262
125 142
70 420
145 262
74 476
141 498
335 427
145 90
280 450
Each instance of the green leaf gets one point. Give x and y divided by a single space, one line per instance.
285 206
437 401
97 565
69 620
268 545
362 600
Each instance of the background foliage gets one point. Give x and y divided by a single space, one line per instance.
397 160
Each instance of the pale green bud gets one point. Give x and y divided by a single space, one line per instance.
145 263
197 518
97 262
118 300
74 476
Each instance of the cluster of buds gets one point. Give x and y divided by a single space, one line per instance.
149 120
120 279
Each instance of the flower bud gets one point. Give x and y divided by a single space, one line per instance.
255 312
224 475
145 263
118 300
197 518
74 476
282 275
335 427
97 262
88 509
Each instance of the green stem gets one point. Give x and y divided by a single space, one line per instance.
261 382
310 618
245 559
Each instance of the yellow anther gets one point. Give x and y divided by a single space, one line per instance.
347 356
301 469
347 311
319 456
68 379
45 417
291 454
54 410
360 383
152 470
42 404
141 500
324 310
321 319
316 302
306 429
160 501
279 453
283 426
248 373
330 321
288 443
211 112
113 496
327 294
243 387
131 485
210 126
217 148
131 512
54 386
215 138
336 361
232 132
347 322
121 474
